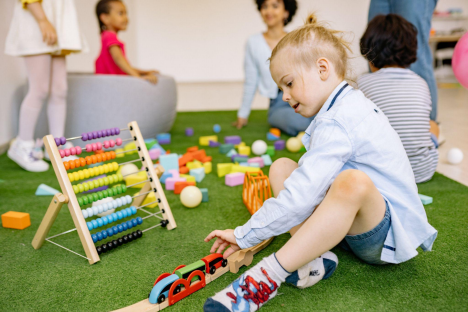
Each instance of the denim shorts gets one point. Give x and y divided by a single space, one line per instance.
368 246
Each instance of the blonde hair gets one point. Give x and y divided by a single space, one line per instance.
315 40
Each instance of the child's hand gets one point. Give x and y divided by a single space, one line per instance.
240 122
49 35
223 239
150 77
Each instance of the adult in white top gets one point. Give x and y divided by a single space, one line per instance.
276 14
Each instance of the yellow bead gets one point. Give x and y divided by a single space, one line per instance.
86 186
70 177
106 180
106 168
76 176
81 188
101 182
86 173
119 177
101 170
81 175
96 171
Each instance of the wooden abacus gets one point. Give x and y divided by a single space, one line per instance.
75 205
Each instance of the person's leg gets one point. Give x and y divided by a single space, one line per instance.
57 108
419 13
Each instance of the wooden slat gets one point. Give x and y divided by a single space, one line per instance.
49 219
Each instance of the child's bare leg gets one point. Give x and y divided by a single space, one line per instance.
353 205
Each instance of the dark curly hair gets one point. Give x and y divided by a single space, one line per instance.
289 5
103 7
390 40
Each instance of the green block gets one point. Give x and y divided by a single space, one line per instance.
225 148
270 151
426 200
204 192
150 144
239 159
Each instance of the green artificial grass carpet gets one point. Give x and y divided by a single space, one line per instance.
52 279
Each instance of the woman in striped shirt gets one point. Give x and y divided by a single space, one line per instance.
390 45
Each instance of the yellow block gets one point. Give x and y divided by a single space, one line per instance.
16 220
208 167
135 178
119 150
238 168
128 147
189 178
224 169
205 140
239 145
244 150
194 164
149 199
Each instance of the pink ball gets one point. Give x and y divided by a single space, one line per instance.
89 148
67 152
118 141
78 150
62 153
112 143
99 145
460 61
73 150
106 144
94 146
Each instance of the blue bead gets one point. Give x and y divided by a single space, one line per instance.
139 220
104 220
124 213
124 225
104 234
129 224
115 229
90 225
120 228
99 222
129 211
110 219
133 210
99 236
94 237
95 224
134 221
110 232
114 217
119 215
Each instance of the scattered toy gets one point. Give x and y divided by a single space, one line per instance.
259 147
16 220
45 190
191 196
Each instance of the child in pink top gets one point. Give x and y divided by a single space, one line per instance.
112 17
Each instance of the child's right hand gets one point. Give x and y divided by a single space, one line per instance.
150 77
49 35
223 239
240 122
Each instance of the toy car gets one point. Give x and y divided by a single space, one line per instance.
184 272
213 262
160 291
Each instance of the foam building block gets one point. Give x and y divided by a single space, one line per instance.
239 145
174 172
119 153
244 169
234 179
225 148
154 153
207 159
199 155
163 138
275 131
279 145
426 200
208 167
157 146
150 198
179 186
270 150
257 160
272 137
165 176
183 170
231 153
16 220
198 173
233 139
213 144
170 183
204 192
45 190
224 169
244 164
244 150
185 159
169 161
194 165
188 177
188 131
135 178
205 140
239 158
256 165
128 148
266 160
192 149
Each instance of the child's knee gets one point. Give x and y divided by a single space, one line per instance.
352 183
281 166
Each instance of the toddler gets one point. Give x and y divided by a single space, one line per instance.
354 185
112 18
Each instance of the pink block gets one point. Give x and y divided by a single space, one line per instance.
154 153
258 160
175 173
234 179
170 182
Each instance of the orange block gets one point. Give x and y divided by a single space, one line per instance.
192 149
16 220
275 131
185 159
179 186
206 159
184 170
199 155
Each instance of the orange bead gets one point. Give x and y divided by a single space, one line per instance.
66 165
94 159
77 163
99 157
72 164
82 162
88 160
111 155
104 156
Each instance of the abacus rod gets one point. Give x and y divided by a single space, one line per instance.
152 215
66 232
129 174
129 186
67 249
135 149
146 205
159 224
129 162
79 137
142 194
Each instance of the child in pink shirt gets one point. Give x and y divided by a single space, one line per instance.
112 17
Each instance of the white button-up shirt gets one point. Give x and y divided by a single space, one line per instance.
350 134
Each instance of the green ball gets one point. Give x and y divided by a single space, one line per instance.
110 191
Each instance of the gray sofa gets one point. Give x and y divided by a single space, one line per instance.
98 102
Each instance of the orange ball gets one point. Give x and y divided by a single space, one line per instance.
82 162
66 165
99 157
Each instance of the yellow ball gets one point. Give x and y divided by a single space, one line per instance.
191 196
293 145
128 169
300 135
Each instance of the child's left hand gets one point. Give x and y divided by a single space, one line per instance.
223 239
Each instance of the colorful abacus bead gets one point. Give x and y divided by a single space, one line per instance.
62 153
118 141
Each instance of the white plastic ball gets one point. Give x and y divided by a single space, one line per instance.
293 145
259 147
127 169
454 156
191 196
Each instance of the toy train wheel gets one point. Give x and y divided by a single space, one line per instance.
224 263
177 289
161 298
212 270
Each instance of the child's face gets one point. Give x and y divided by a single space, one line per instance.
273 12
305 89
117 18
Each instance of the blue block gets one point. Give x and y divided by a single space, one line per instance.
426 200
266 160
204 192
163 136
164 176
157 146
245 164
272 137
169 162
45 190
231 153
198 173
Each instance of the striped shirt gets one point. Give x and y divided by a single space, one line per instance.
405 99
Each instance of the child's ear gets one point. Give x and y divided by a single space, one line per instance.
323 67
104 18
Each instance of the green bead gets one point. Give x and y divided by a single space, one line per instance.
95 197
101 182
80 201
105 193
100 195
85 200
119 188
106 180
110 192
124 188
90 198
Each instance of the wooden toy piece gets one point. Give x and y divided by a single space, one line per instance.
244 150
426 200
255 191
16 220
205 140
179 186
279 145
245 256
208 167
188 131
266 160
188 287
233 139
275 131
234 179
184 170
204 192
198 173
213 262
169 161
188 177
270 150
224 169
272 137
224 148
45 190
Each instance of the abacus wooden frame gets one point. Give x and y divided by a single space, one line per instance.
70 197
